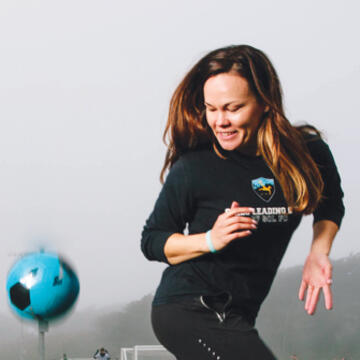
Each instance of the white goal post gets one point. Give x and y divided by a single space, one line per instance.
140 352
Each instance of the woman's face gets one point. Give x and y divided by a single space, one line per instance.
232 111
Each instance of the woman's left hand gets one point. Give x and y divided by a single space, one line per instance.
317 276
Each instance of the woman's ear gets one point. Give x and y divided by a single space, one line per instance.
267 108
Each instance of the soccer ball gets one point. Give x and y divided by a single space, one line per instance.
41 286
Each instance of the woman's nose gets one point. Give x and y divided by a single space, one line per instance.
222 119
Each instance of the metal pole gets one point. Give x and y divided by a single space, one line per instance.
43 328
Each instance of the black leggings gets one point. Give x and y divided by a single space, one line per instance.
195 330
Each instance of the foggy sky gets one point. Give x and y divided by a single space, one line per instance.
84 93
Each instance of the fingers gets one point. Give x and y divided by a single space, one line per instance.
231 237
238 211
239 234
309 293
328 297
238 215
240 226
302 290
313 300
240 230
235 205
239 219
327 288
312 296
231 225
317 276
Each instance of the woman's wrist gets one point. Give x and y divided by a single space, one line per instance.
180 247
324 234
209 242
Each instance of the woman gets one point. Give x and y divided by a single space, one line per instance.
240 178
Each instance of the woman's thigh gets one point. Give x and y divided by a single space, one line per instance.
195 333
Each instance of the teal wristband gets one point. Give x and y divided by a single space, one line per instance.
209 242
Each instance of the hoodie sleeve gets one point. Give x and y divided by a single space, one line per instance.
171 213
331 207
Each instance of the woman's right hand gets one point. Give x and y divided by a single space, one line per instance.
231 225
228 227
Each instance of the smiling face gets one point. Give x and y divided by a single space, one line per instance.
232 111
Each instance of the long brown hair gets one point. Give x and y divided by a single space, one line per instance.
282 145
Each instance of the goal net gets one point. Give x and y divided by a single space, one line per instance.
145 352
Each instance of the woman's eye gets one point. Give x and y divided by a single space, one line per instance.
235 109
210 109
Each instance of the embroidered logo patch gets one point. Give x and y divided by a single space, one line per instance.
264 188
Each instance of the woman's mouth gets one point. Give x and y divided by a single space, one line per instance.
226 135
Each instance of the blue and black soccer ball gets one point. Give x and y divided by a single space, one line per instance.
42 286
